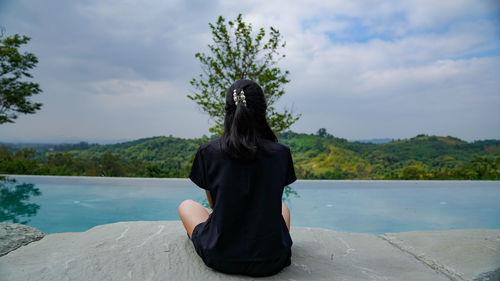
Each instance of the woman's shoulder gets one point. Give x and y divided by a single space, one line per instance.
212 145
215 144
213 148
276 146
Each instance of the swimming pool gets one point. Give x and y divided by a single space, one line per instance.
78 203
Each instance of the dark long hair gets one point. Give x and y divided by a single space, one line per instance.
245 127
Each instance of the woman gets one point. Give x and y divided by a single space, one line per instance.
244 173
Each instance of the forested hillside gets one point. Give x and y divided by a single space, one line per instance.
318 156
421 157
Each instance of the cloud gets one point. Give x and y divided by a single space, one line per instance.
383 69
132 93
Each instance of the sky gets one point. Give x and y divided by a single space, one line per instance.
115 70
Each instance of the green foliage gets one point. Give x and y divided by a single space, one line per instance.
316 156
237 53
14 68
322 133
421 157
19 162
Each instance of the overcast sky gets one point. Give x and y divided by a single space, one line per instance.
118 69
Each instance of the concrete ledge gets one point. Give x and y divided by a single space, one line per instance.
469 254
161 251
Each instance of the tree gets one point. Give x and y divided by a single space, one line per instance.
237 53
111 165
14 68
322 132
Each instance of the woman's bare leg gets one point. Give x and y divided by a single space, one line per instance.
192 213
285 212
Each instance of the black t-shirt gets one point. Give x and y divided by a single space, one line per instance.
246 223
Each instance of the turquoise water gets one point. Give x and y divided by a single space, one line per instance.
78 203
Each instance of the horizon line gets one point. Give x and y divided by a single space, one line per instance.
104 141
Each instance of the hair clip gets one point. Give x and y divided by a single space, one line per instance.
239 98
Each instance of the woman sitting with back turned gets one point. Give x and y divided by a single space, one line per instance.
244 173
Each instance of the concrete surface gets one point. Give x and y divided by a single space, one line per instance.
161 251
15 235
462 254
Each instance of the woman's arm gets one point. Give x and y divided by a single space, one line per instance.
209 198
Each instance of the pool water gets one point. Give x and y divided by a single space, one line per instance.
66 204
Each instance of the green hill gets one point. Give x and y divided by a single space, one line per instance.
421 157
319 156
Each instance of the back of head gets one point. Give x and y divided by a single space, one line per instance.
245 123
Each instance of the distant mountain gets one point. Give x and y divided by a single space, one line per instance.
58 140
315 157
421 157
